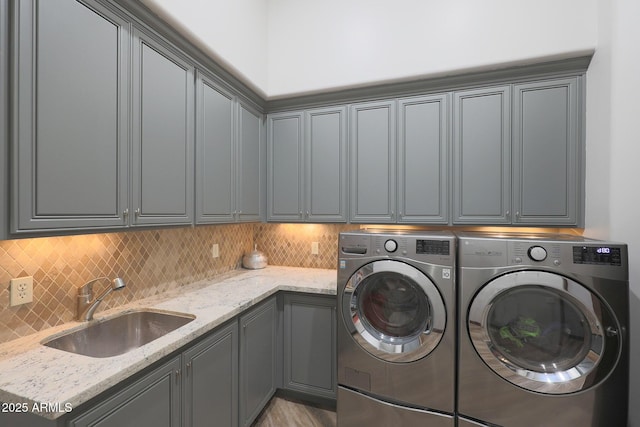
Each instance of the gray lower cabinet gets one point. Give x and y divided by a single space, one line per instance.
190 390
162 154
152 401
372 140
307 158
258 359
310 344
70 104
482 156
547 173
211 380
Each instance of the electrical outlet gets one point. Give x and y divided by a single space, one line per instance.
314 248
21 290
215 250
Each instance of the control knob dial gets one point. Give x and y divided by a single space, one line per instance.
390 245
537 253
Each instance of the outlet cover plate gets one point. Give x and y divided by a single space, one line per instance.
21 290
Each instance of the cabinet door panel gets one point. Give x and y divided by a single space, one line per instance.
373 146
482 158
250 167
285 174
211 380
258 340
310 344
546 172
215 154
326 172
423 160
71 102
163 133
153 401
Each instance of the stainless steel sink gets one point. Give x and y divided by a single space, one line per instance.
121 334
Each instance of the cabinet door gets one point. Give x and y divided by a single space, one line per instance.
546 156
423 160
70 83
326 184
250 176
211 380
4 118
258 342
310 344
285 174
163 161
482 156
152 401
373 147
215 153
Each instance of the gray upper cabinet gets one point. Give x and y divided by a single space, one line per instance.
4 123
546 153
70 121
423 160
482 156
162 155
229 152
325 152
372 140
285 173
307 158
215 152
251 164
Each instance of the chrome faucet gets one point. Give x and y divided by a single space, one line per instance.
86 307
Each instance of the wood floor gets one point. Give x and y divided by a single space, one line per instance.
281 412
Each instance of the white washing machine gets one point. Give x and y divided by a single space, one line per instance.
396 329
543 331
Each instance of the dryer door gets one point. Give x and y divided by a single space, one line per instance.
393 311
544 332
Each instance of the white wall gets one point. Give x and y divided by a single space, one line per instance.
613 150
316 45
234 32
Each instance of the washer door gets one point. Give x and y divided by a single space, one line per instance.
543 332
393 311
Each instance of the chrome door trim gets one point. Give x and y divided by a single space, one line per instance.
389 348
565 381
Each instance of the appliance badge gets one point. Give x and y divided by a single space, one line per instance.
343 264
446 273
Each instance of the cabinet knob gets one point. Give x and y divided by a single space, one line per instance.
137 212
125 213
508 213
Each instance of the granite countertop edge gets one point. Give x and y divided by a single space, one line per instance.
34 374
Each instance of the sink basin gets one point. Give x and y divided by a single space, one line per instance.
120 334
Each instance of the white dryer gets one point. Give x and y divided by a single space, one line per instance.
396 329
543 331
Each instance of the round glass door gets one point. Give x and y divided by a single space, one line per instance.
542 331
396 312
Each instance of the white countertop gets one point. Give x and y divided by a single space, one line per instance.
32 373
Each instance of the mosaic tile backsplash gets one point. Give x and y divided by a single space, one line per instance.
149 261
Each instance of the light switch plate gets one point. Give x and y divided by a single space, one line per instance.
314 248
21 290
